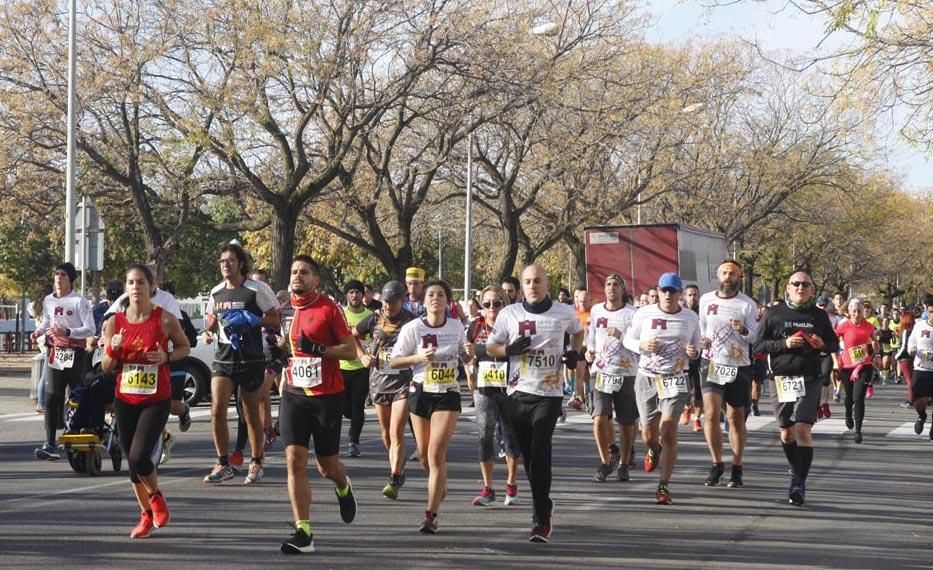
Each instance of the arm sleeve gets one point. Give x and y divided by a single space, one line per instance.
695 339
86 313
171 305
590 341
762 341
265 297
338 324
632 338
500 332
830 339
115 306
575 326
46 320
912 340
365 328
405 345
751 323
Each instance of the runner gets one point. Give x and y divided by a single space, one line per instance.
653 296
920 346
238 308
532 336
489 382
691 300
793 333
369 300
727 320
579 378
667 337
355 374
136 344
853 364
270 352
614 369
513 289
759 368
313 398
432 347
67 321
388 386
414 300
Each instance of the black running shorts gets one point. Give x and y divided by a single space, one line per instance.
304 417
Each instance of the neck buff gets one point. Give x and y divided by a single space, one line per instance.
799 306
539 307
302 302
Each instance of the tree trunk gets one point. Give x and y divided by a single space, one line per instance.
283 244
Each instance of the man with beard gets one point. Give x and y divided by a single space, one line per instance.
513 289
727 321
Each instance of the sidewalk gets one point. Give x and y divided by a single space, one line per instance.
14 383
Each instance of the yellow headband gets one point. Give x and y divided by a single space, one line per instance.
414 273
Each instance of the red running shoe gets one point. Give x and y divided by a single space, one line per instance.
159 508
651 460
143 526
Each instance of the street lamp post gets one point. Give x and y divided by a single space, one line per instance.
70 169
468 237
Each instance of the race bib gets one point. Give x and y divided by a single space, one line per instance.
858 354
537 364
669 385
383 356
789 388
721 374
141 379
438 376
98 356
926 358
491 374
304 372
62 358
609 382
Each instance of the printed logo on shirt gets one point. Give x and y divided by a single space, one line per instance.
602 323
529 327
798 325
659 324
925 334
229 305
59 311
429 340
712 310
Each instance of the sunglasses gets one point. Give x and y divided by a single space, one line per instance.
669 290
491 304
803 284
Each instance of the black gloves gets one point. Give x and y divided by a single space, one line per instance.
570 359
312 348
518 346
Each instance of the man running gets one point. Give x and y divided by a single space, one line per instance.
414 300
691 300
237 309
313 398
793 333
727 321
513 289
614 369
667 337
531 334
355 374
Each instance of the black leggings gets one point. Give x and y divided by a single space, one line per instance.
140 428
242 429
55 383
855 393
533 419
356 386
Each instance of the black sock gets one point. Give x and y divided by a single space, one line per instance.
223 460
256 461
790 450
721 467
804 459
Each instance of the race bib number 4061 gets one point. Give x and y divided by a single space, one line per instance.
304 372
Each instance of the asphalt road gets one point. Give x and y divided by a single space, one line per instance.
868 506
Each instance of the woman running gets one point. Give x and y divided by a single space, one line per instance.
920 346
853 364
136 342
431 346
488 381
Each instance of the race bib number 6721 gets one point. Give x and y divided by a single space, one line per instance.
789 388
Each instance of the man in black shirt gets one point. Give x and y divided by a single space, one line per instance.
793 334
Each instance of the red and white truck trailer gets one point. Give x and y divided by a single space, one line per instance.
641 253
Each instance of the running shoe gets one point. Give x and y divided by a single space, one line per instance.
511 495
827 412
850 423
390 491
836 397
220 473
300 543
623 473
819 412
697 425
47 451
429 524
715 474
353 450
40 409
541 532
143 526
485 498
255 473
184 419
168 443
663 495
735 479
870 392
347 503
615 457
270 438
931 432
685 417
755 410
906 404
236 459
651 459
858 437
575 403
602 473
918 425
159 508
798 492
502 453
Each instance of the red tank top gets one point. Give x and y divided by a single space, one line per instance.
138 381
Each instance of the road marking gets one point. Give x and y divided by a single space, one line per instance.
832 426
906 431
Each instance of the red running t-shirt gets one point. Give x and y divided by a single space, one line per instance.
321 321
856 341
138 380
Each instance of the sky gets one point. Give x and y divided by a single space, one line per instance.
776 25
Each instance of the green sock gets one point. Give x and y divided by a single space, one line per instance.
344 491
304 525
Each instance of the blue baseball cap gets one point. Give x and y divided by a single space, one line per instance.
670 280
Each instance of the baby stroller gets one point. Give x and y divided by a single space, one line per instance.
90 428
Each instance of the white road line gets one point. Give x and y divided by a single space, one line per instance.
906 431
832 426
